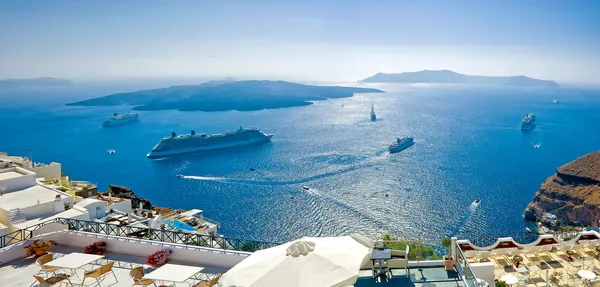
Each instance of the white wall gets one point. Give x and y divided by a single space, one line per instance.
27 179
40 210
124 206
49 171
484 271
143 248
4 218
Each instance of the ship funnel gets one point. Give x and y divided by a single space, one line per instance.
193 132
173 134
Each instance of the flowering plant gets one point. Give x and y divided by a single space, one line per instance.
158 257
97 248
31 247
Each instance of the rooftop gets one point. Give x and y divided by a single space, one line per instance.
20 272
9 175
27 197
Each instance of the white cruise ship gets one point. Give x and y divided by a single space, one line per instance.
528 122
120 119
401 144
192 143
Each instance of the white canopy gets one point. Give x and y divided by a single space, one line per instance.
306 262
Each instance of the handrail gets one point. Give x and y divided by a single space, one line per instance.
464 269
168 236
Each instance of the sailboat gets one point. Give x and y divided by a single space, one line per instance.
373 116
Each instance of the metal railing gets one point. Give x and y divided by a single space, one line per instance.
148 233
464 268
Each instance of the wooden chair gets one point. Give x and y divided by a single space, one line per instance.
51 280
43 260
206 283
136 274
100 273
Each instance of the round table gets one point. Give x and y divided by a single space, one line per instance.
509 279
586 274
517 259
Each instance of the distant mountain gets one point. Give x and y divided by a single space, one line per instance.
227 95
447 76
34 83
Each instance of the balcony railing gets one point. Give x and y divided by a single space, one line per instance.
464 269
179 237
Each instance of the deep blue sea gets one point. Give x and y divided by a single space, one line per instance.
468 146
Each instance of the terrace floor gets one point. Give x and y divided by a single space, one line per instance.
20 272
429 277
537 266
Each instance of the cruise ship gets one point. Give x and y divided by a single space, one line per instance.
528 122
401 144
120 119
193 143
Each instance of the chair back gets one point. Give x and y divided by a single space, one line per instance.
215 280
137 273
108 267
45 259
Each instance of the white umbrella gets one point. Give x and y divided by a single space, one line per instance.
306 262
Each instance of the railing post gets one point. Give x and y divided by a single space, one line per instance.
453 248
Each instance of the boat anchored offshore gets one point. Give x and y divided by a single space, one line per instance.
120 119
401 144
528 122
373 115
193 143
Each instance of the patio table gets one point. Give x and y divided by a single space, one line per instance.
74 262
174 273
586 275
380 254
509 279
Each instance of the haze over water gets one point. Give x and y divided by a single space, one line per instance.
468 146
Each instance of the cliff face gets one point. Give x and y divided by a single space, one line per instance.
572 194
125 192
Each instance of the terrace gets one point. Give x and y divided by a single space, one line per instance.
545 260
548 259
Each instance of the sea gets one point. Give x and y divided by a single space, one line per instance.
468 145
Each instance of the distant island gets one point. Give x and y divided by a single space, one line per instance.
450 77
226 95
33 83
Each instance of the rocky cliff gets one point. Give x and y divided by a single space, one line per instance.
125 192
572 194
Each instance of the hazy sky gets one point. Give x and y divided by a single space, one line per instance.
309 40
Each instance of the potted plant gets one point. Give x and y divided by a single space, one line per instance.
448 264
500 283
158 258
39 248
97 248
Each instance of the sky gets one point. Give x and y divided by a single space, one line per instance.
329 40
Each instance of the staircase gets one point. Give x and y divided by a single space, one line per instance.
15 216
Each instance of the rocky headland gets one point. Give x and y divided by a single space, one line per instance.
572 194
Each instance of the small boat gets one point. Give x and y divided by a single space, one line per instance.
536 146
555 101
477 201
305 187
111 151
373 116
252 169
292 197
527 229
180 175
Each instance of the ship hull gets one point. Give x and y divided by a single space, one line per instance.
400 147
191 150
527 128
107 124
